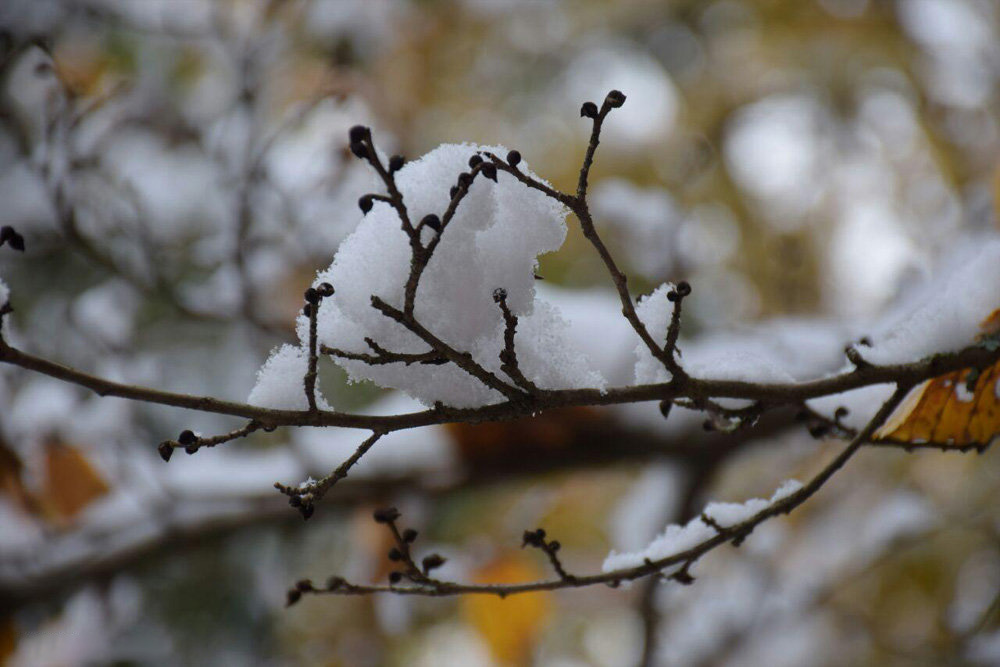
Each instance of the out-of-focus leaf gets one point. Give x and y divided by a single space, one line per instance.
8 639
961 408
71 482
510 626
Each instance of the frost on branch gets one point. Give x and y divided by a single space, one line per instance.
677 538
493 241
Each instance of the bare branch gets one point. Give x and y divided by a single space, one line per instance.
685 559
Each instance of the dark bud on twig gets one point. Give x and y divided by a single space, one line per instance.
396 163
325 289
294 596
295 501
311 295
333 583
187 437
365 204
588 110
707 425
307 310
165 450
554 546
499 294
840 413
453 191
395 555
191 449
307 511
818 430
665 408
359 150
514 158
409 535
432 221
672 296
304 585
9 236
475 160
683 288
386 515
489 170
535 538
395 577
358 133
465 179
615 99
431 562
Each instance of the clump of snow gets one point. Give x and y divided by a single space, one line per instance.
677 539
781 350
730 514
492 242
947 313
4 293
280 382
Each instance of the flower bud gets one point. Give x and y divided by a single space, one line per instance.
325 289
359 150
187 437
165 450
311 295
514 158
431 562
588 110
386 515
396 163
409 535
365 204
432 221
499 294
489 170
358 134
615 99
395 577
475 160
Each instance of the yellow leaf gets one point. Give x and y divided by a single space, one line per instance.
510 626
955 409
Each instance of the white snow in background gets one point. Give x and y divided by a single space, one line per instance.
677 538
107 311
651 498
774 148
226 472
946 314
280 382
861 404
492 242
410 451
4 293
645 219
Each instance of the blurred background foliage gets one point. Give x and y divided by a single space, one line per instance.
179 169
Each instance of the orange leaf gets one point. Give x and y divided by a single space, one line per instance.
957 409
510 626
71 481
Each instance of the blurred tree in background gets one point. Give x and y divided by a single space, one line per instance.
180 169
